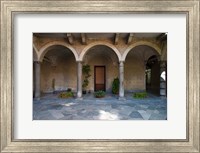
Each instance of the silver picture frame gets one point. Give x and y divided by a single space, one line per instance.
188 7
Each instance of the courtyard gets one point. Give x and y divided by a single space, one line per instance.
118 63
50 107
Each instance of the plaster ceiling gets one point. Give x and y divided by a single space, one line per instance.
143 52
58 51
101 51
97 35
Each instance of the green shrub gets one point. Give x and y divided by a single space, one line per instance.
140 95
99 94
67 94
86 74
115 86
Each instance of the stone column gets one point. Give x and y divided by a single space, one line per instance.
145 81
121 80
37 79
79 80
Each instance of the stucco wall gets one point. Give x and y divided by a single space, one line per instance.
111 70
164 51
134 73
64 73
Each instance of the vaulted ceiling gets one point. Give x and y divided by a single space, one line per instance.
95 36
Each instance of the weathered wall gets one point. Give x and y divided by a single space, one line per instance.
64 73
111 70
134 73
164 51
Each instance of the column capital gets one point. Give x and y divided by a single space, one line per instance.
121 63
79 62
37 62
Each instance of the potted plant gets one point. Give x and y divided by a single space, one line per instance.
99 94
115 86
86 74
66 94
140 95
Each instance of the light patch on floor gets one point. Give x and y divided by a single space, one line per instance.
107 115
68 104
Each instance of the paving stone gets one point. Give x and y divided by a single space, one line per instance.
145 115
131 104
43 115
56 114
135 115
115 106
68 117
156 112
144 106
164 112
55 106
151 107
108 108
149 111
128 109
158 117
116 111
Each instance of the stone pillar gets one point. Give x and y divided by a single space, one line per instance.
121 80
79 80
37 79
145 80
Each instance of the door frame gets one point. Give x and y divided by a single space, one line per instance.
95 76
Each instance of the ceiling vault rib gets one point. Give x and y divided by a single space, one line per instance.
130 38
47 59
70 38
116 39
84 38
161 37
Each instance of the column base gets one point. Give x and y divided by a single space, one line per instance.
121 98
37 98
163 96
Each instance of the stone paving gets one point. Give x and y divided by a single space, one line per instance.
49 107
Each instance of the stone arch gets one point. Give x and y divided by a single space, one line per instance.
87 48
139 43
35 53
44 50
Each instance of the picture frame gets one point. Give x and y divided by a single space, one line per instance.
190 8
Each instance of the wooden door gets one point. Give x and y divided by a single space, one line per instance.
99 78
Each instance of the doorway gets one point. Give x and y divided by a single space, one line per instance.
99 78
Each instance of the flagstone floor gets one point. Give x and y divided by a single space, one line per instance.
50 107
